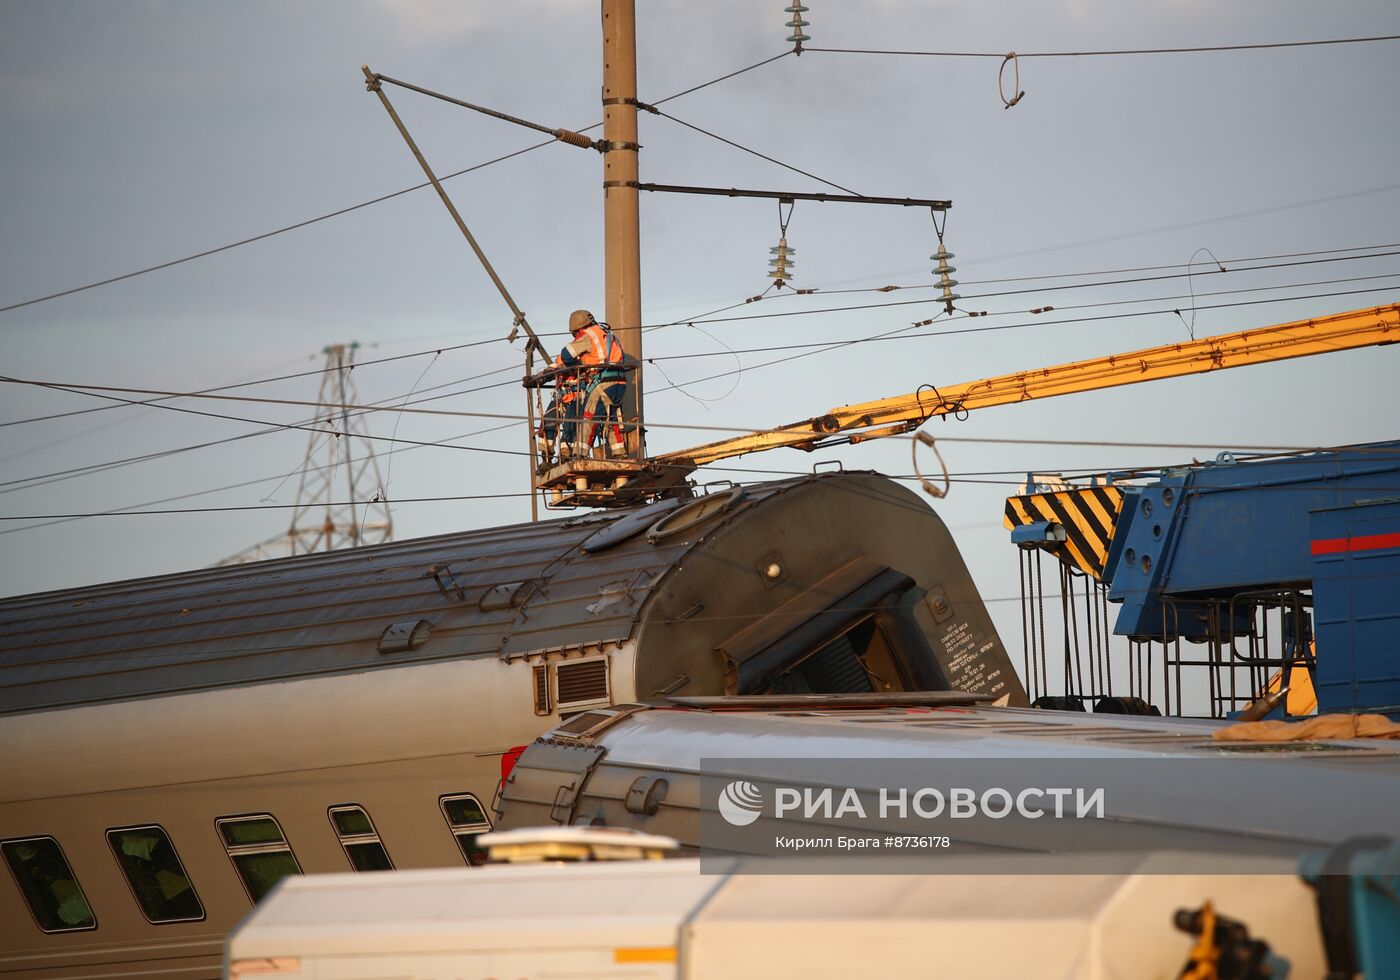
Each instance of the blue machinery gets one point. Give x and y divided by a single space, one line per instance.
1214 552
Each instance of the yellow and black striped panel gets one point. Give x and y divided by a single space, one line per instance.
1087 514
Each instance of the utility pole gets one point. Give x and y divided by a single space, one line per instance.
621 225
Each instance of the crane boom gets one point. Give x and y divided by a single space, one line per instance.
902 413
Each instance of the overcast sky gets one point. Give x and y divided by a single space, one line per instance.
140 132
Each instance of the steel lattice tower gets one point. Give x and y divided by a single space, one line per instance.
341 501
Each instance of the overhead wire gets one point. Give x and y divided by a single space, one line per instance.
31 482
1039 289
231 508
248 507
356 207
1194 49
702 317
238 486
1075 471
889 287
309 427
1182 225
269 429
1085 306
262 381
751 150
804 350
50 443
810 348
1014 326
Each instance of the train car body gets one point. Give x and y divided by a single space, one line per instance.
1168 783
173 746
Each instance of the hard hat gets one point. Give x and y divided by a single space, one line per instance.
580 320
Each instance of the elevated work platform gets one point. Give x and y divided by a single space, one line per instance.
609 482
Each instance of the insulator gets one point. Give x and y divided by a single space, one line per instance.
797 8
798 22
781 264
799 37
942 272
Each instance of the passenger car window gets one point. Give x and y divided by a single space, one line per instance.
155 874
48 884
259 852
357 835
467 820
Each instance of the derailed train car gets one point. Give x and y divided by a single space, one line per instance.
173 746
1158 783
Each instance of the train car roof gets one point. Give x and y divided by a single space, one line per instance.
498 591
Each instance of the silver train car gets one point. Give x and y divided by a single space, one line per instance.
174 746
1167 784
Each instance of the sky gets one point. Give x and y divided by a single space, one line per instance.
142 132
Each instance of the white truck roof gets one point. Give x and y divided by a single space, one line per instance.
668 919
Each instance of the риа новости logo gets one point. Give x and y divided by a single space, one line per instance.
741 803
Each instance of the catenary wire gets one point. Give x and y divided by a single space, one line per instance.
161 454
231 508
887 288
32 481
1035 289
750 150
1077 306
702 317
262 381
240 485
1021 326
1115 52
356 207
804 351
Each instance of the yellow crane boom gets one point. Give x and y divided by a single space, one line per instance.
903 413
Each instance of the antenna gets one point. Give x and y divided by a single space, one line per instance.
341 501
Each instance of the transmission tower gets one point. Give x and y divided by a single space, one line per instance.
341 499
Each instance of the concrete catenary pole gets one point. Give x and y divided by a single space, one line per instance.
621 227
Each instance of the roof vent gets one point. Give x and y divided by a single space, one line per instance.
500 596
693 514
628 526
408 635
581 682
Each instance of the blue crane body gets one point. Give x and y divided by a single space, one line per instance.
1188 553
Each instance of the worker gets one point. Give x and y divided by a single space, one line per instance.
602 382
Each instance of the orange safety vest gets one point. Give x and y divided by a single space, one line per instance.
604 348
